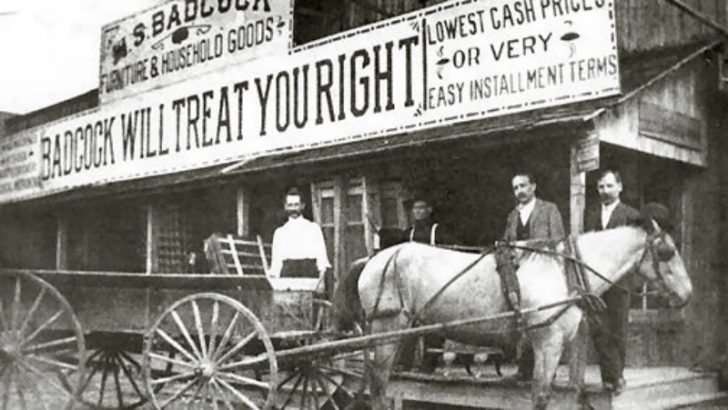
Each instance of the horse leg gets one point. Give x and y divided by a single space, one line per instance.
384 356
547 352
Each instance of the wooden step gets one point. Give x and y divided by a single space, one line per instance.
669 392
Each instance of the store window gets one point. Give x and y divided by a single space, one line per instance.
108 236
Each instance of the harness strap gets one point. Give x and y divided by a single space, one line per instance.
419 315
576 278
380 291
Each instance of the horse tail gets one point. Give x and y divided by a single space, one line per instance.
347 305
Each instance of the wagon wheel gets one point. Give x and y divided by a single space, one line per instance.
337 382
41 345
115 379
218 363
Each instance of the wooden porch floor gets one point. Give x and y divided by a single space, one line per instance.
647 388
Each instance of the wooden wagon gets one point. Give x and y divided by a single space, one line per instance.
119 340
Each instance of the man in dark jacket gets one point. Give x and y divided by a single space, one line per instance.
424 229
609 330
532 218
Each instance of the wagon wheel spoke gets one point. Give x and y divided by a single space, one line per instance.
119 395
43 326
226 335
15 311
176 345
31 312
48 345
130 377
200 331
186 333
243 380
246 363
176 377
182 390
289 398
124 355
104 376
249 403
213 328
330 398
304 395
3 319
20 389
238 346
42 376
39 398
6 386
172 360
221 394
193 398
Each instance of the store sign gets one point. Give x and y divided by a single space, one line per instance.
18 165
181 39
454 62
587 154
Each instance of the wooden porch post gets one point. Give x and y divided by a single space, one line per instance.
577 359
62 243
151 265
339 261
243 212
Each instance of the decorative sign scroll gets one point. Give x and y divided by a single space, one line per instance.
457 61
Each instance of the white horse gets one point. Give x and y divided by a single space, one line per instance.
399 281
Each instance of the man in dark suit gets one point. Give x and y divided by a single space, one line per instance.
609 330
533 218
424 229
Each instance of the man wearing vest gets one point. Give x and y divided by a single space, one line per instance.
609 330
533 218
298 248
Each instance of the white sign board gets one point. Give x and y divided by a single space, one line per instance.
182 39
454 62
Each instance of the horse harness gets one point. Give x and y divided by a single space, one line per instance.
575 270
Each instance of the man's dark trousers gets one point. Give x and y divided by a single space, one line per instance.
609 334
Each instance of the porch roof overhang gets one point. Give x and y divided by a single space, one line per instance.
638 73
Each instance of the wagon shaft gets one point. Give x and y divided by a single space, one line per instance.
362 342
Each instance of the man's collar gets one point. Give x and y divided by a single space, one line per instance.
611 206
528 205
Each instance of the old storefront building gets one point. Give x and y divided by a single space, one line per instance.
363 105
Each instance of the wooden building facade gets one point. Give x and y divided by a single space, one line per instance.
665 132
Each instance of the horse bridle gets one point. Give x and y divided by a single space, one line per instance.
660 251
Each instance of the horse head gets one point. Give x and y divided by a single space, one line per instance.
661 263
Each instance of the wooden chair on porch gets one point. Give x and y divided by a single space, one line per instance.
229 255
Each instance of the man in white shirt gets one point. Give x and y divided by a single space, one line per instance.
298 248
609 330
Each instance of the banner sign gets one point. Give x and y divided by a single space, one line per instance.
457 61
19 174
182 39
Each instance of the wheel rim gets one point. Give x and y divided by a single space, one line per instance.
224 356
41 345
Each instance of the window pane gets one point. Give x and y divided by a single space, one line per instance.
354 208
355 246
327 211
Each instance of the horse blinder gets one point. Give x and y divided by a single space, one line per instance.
663 250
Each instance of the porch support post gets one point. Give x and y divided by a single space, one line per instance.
243 212
62 242
151 261
339 262
577 193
